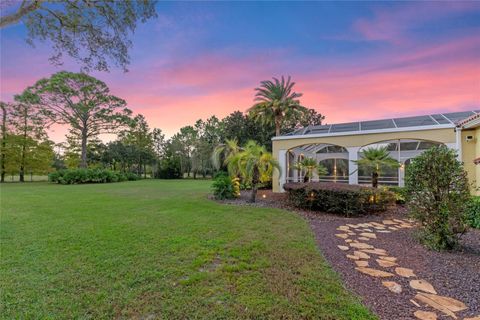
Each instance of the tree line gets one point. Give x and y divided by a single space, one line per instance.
85 105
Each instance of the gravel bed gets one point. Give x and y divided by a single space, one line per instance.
454 274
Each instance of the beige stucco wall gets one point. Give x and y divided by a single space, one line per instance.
446 136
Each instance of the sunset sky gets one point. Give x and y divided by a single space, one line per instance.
352 61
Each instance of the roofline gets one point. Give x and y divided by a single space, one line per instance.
471 122
348 133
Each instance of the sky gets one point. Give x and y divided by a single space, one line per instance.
351 60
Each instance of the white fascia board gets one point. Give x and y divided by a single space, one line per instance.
350 133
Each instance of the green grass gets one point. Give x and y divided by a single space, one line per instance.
158 250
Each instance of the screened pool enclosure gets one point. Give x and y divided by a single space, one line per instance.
338 147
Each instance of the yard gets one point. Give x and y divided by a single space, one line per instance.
159 249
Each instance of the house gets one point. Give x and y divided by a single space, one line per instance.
336 146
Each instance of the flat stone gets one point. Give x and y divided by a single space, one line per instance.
379 228
422 285
384 231
343 228
374 272
368 235
349 256
342 235
391 259
385 263
425 299
415 303
364 225
343 248
378 252
361 263
392 286
425 315
361 255
361 245
398 220
389 222
350 233
447 302
404 272
364 239
348 240
352 225
376 224
367 230
393 228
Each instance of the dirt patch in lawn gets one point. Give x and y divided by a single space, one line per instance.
453 274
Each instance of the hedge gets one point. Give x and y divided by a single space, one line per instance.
345 199
79 176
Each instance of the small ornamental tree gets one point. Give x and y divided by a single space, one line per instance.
438 195
310 165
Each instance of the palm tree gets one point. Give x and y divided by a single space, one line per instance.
254 164
310 165
224 151
376 159
276 102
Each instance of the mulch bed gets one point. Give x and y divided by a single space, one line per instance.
454 274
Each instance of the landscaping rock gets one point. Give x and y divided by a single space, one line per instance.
405 272
425 315
422 285
374 272
392 286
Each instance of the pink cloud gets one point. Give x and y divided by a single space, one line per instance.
391 24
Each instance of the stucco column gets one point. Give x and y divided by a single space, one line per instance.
458 142
352 166
282 160
401 175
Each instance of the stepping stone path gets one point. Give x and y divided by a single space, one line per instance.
426 295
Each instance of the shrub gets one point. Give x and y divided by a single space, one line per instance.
169 168
473 213
225 187
345 199
437 196
400 194
98 175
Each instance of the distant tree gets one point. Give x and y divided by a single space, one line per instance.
208 137
140 137
83 102
182 145
28 130
95 33
303 119
254 164
276 102
158 142
170 163
5 109
244 128
377 159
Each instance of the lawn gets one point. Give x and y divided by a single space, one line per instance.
158 249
